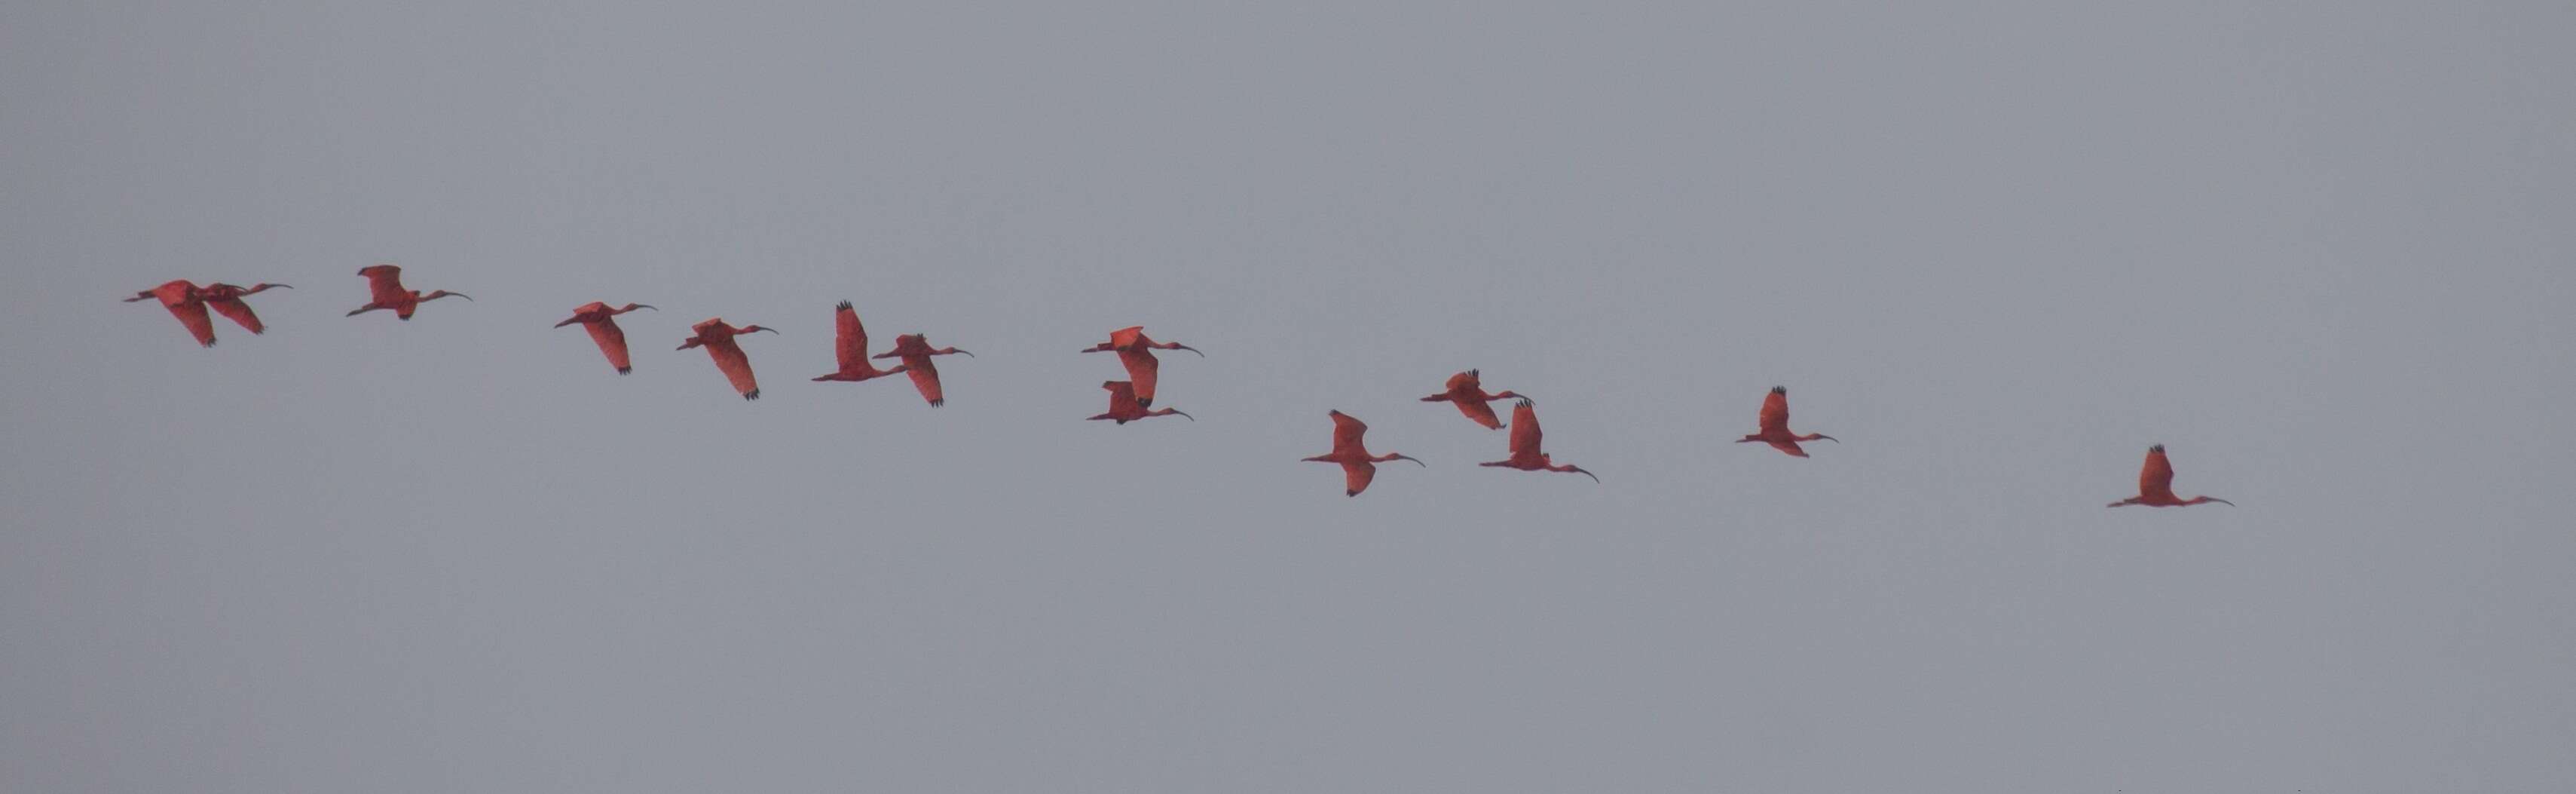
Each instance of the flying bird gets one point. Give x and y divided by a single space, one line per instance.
1467 390
2155 485
850 345
385 291
1525 450
184 301
915 352
1124 407
717 337
1136 351
226 299
601 322
1358 466
1775 425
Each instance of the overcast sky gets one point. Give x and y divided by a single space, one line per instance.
2320 250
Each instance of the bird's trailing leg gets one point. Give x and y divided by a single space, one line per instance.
362 310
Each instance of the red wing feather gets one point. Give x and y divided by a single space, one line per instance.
1346 435
2155 479
193 315
1790 447
1479 412
1525 432
239 312
850 340
736 366
612 341
926 378
1775 415
1127 337
1143 369
384 285
1356 476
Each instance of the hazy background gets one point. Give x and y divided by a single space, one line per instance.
2322 250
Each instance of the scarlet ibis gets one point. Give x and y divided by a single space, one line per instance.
385 291
185 302
850 345
600 321
2155 485
1124 407
226 299
1525 450
1775 425
1467 390
717 337
1358 466
915 352
1137 352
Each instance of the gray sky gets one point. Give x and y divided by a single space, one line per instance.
2321 250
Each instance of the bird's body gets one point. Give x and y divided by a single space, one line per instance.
1775 426
1124 408
1467 391
1136 352
186 302
850 347
1358 466
915 351
2155 485
226 300
385 291
1526 454
601 321
717 338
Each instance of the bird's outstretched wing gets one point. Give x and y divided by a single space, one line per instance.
925 377
850 340
736 367
1525 432
2155 479
384 284
1479 412
612 341
1127 337
1143 369
235 310
1122 396
193 315
1356 476
1346 436
1775 416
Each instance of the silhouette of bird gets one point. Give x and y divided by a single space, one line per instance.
1136 351
1525 450
184 302
717 337
915 352
2155 485
1358 466
850 345
1775 425
601 322
1467 390
385 291
1124 407
226 300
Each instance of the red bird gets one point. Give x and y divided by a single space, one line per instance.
2155 485
185 302
1468 391
850 344
718 339
915 352
1137 352
1775 425
601 322
1358 466
226 299
385 291
1525 452
1124 407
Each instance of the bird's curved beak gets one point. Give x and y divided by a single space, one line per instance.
2222 501
462 295
1416 461
1596 479
1184 415
1189 348
966 354
765 328
646 306
1829 438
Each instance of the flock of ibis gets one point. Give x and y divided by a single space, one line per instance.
1128 399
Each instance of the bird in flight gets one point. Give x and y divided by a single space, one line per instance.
226 300
1358 466
2155 485
185 302
915 351
601 322
385 291
1124 407
1775 425
850 345
1526 455
717 338
1467 390
1136 351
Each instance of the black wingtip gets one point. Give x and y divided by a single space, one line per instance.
1350 493
1779 390
845 305
625 370
1144 402
2156 448
937 403
751 395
